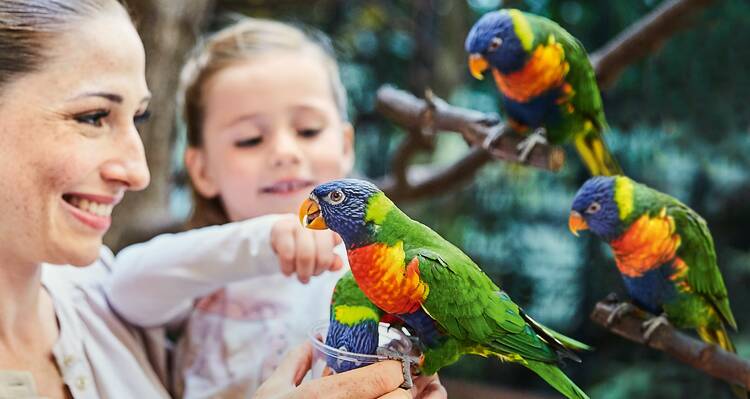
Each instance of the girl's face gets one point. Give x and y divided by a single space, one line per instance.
69 147
271 132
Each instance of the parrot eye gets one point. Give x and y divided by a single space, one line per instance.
335 197
593 208
495 44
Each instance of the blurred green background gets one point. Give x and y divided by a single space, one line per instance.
680 121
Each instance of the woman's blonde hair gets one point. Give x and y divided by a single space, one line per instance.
240 42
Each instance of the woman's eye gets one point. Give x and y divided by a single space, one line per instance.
92 118
142 118
309 132
249 142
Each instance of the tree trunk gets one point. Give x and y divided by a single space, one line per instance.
169 30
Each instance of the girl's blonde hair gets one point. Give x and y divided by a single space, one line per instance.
240 42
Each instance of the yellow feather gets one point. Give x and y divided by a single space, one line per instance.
624 196
522 28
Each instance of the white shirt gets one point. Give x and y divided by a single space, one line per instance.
98 355
223 286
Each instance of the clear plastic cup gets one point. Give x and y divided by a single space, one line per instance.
389 337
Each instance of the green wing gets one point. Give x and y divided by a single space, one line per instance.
697 251
472 309
587 99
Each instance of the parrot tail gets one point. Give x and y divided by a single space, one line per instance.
562 344
719 336
555 377
595 155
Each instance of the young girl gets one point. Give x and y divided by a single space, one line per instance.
265 114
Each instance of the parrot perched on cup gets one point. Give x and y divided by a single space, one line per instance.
409 271
664 252
545 82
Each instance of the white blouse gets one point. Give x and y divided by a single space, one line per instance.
97 353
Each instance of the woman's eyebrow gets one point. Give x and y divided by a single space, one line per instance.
115 98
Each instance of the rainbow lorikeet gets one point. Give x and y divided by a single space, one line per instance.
664 252
409 271
545 80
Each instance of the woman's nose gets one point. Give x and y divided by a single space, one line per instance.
128 164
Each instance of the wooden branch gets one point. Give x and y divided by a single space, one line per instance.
416 115
708 358
642 38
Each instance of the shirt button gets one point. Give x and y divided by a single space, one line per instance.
68 360
81 383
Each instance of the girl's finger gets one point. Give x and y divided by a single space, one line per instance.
304 263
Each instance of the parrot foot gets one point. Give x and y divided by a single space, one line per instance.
495 132
620 310
528 144
406 362
653 324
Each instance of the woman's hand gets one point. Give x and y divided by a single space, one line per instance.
303 251
428 387
380 380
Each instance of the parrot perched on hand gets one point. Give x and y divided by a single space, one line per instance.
545 81
409 271
664 252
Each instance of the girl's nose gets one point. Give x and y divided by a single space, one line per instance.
285 149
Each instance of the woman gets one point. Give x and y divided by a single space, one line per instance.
72 90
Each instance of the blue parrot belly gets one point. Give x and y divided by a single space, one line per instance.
539 111
653 289
424 326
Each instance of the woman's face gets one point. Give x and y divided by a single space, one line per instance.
69 148
271 132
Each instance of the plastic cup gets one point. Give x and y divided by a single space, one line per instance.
390 338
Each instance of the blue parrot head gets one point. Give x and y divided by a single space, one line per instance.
493 42
341 205
595 208
361 338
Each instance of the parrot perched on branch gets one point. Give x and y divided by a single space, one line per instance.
545 81
664 252
409 271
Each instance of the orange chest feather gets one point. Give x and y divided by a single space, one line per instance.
545 69
649 243
386 279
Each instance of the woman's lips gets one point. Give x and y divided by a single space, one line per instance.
92 210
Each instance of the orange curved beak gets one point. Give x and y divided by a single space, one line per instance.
310 215
477 65
576 223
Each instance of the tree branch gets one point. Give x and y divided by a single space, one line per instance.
639 40
705 357
642 38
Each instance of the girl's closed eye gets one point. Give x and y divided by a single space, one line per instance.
93 118
309 132
248 142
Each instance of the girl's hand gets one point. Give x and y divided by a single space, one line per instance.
303 251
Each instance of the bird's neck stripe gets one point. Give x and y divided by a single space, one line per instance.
522 28
624 196
351 315
378 207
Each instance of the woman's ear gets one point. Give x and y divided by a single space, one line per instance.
347 161
197 168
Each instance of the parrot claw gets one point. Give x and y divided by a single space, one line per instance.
620 310
652 325
495 132
406 363
528 144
